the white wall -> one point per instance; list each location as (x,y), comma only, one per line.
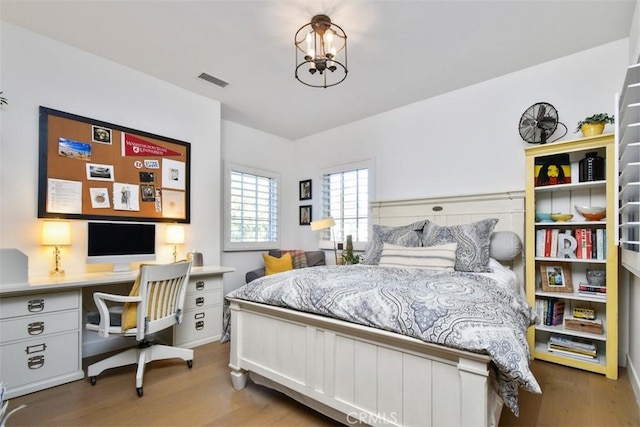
(39,71)
(467,141)
(249,147)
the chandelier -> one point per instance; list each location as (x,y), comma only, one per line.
(321,53)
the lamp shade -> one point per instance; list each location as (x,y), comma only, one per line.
(175,234)
(56,233)
(322,224)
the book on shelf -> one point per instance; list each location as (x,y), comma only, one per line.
(540,238)
(590,290)
(553,250)
(573,342)
(550,311)
(600,243)
(572,353)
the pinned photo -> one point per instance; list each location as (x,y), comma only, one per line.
(98,172)
(148,193)
(101,134)
(74,149)
(99,198)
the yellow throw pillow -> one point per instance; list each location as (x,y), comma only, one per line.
(273,265)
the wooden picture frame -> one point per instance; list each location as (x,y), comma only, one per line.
(556,277)
(305,215)
(94,170)
(305,190)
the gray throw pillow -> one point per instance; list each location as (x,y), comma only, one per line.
(473,242)
(405,235)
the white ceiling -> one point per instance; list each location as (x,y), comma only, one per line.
(400,51)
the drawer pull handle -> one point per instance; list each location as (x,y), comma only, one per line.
(35,328)
(200,301)
(35,362)
(35,348)
(198,316)
(199,285)
(199,325)
(35,305)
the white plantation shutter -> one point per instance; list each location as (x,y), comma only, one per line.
(628,139)
(345,197)
(252,209)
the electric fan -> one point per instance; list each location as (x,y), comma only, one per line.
(539,122)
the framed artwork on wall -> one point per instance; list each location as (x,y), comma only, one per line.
(305,215)
(305,190)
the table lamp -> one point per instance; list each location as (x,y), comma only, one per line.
(323,224)
(56,234)
(175,236)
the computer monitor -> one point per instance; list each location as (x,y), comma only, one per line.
(120,244)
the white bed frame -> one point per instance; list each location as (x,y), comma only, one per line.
(354,373)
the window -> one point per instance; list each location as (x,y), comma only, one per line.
(251,209)
(345,197)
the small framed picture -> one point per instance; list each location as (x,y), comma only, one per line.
(305,190)
(305,215)
(148,193)
(556,277)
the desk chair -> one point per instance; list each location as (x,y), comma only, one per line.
(155,303)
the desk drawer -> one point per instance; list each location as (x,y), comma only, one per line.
(199,326)
(39,359)
(202,299)
(205,284)
(38,304)
(38,325)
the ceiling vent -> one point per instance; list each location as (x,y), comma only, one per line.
(216,81)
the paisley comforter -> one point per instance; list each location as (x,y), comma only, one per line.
(461,310)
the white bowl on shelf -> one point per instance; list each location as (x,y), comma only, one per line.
(592,213)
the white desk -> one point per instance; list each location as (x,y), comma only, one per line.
(42,325)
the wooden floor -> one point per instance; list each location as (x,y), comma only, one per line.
(203,396)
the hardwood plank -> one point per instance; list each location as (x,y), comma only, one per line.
(203,396)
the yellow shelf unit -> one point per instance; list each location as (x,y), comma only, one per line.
(562,198)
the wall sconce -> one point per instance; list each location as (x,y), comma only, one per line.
(323,224)
(56,234)
(321,48)
(175,236)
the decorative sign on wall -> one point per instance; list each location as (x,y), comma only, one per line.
(91,169)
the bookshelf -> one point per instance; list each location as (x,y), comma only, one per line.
(561,275)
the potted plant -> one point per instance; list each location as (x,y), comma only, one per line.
(594,125)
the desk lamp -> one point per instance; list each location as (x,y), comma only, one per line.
(56,234)
(323,224)
(175,236)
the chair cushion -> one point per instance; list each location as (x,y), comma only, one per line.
(115,316)
(275,265)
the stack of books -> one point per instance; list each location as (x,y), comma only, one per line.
(550,311)
(573,346)
(592,291)
(588,243)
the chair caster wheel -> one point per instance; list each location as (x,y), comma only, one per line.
(139,390)
(190,363)
(93,380)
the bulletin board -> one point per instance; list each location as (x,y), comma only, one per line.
(90,169)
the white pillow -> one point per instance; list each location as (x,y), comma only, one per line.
(439,257)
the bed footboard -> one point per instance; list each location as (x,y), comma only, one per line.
(364,374)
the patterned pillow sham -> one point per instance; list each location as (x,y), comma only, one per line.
(439,257)
(473,242)
(405,235)
(298,256)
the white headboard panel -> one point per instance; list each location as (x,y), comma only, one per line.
(453,210)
